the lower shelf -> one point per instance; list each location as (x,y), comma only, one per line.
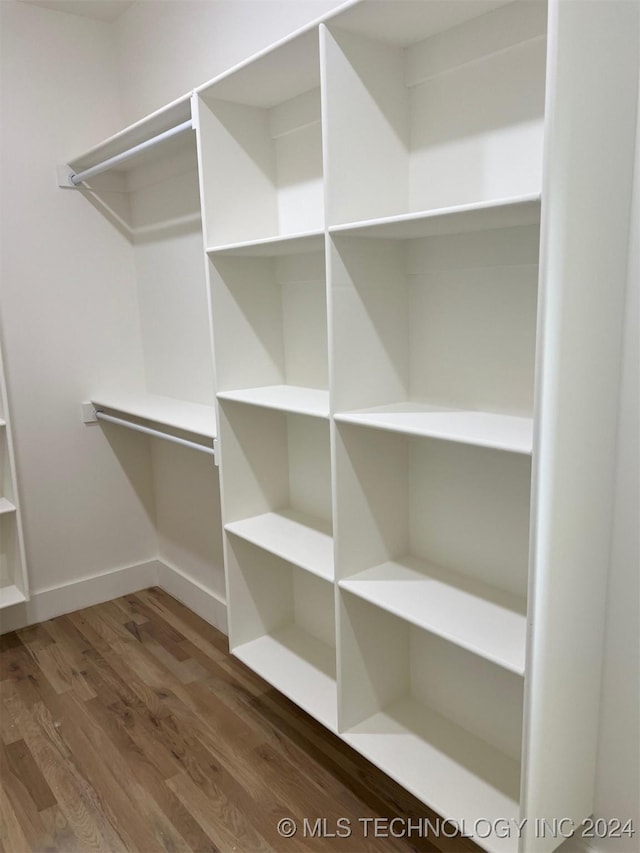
(295,536)
(298,665)
(178,414)
(480,618)
(456,773)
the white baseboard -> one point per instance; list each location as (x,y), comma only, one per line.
(56,601)
(193,595)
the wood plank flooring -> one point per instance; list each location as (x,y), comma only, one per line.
(128,727)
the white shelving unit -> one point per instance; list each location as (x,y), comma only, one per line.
(412,335)
(417,169)
(14,587)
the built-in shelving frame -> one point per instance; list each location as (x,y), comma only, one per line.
(14,586)
(399,241)
(424,320)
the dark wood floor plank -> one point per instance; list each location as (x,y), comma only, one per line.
(135,738)
(35,637)
(211,642)
(59,832)
(12,834)
(122,798)
(220,818)
(21,806)
(76,798)
(129,727)
(70,660)
(84,622)
(21,764)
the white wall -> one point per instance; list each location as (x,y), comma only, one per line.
(69,309)
(167,47)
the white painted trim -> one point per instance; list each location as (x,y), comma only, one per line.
(56,601)
(85,592)
(204,603)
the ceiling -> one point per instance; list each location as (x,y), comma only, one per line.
(101,10)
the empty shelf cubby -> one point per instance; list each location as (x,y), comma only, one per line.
(262,161)
(270,323)
(436,334)
(438,533)
(411,701)
(454,118)
(277,483)
(283,626)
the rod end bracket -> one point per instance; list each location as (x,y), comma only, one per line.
(88,413)
(64,174)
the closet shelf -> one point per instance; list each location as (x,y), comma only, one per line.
(284,398)
(10,595)
(298,665)
(272,247)
(460,219)
(484,429)
(486,621)
(292,535)
(152,125)
(195,418)
(6,506)
(454,772)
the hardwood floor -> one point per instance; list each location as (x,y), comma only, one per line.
(128,727)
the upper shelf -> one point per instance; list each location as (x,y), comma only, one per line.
(272,247)
(285,398)
(484,620)
(195,418)
(483,429)
(163,119)
(404,22)
(282,72)
(459,219)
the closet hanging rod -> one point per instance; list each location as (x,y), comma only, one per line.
(77,178)
(156,433)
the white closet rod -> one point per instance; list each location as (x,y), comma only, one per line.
(77,178)
(101,416)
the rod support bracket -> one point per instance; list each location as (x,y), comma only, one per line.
(64,174)
(89,413)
